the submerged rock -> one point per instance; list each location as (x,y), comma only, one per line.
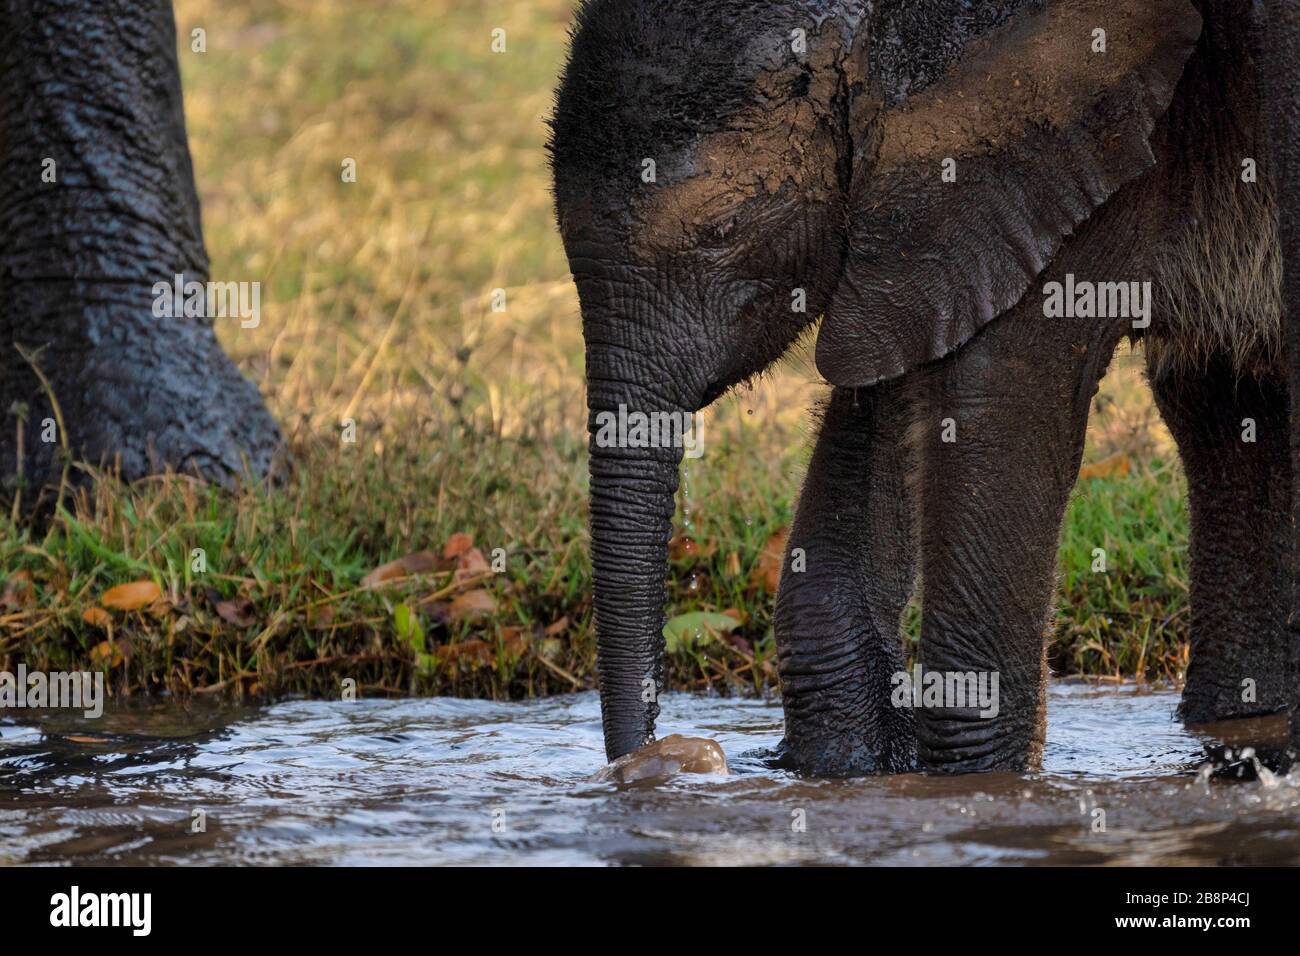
(665,758)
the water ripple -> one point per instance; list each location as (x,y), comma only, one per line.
(457,781)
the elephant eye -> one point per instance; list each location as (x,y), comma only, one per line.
(801,84)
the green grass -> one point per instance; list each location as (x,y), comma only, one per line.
(298,553)
(1133,619)
(375,308)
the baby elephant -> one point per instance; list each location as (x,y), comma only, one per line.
(979,199)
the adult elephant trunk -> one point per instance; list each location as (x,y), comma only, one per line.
(632,501)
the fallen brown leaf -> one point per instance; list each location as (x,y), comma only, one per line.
(97,617)
(456,545)
(418,562)
(470,605)
(470,564)
(557,627)
(132,596)
(107,652)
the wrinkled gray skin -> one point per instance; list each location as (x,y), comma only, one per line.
(94,86)
(820,170)
(1281,62)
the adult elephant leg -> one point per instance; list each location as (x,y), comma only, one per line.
(837,619)
(1232,436)
(1002,435)
(1281,64)
(97,207)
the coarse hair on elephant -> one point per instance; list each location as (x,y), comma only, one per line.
(979,199)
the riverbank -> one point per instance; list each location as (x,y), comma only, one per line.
(456,564)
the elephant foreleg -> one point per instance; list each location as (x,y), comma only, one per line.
(849,571)
(1001,435)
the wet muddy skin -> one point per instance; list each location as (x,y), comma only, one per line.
(458,781)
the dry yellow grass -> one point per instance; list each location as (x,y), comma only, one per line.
(378,293)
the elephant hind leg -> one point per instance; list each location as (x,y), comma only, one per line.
(1232,434)
(849,571)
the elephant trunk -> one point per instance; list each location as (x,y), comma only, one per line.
(632,503)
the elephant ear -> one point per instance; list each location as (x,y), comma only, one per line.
(1040,128)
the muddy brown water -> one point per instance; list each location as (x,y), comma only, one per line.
(480,782)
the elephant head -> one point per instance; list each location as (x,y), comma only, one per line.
(726,173)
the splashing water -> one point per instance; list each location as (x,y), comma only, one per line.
(458,781)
